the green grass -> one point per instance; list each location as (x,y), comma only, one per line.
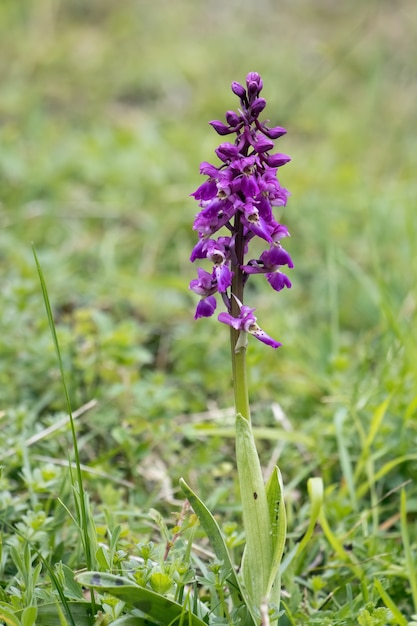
(103,123)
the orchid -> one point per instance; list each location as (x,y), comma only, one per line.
(236,209)
(247,322)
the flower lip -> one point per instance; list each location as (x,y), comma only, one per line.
(206,307)
(247,323)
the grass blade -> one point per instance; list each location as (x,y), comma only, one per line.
(315,492)
(344,456)
(409,557)
(81,504)
(390,604)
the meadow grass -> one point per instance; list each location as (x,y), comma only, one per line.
(103,123)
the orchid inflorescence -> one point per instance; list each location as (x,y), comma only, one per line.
(238,196)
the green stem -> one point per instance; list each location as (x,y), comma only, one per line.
(240,383)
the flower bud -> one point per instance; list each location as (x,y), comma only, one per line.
(239,90)
(226,151)
(232,118)
(262,144)
(257,106)
(220,128)
(277,159)
(273,133)
(254,83)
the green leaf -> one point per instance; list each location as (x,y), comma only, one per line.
(218,544)
(72,588)
(337,545)
(278,522)
(8,616)
(159,608)
(50,614)
(85,519)
(376,421)
(344,457)
(29,616)
(408,551)
(257,557)
(259,432)
(390,604)
(385,469)
(133,620)
(315,492)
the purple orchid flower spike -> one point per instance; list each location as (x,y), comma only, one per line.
(238,199)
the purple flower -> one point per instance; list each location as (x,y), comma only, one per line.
(246,322)
(206,307)
(237,199)
(269,263)
(205,285)
(215,214)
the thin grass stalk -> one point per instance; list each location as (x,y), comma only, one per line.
(84,521)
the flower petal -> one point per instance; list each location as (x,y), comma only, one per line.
(226,318)
(278,280)
(206,307)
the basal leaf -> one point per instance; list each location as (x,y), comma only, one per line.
(278,521)
(257,557)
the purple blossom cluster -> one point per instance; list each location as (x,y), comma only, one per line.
(238,198)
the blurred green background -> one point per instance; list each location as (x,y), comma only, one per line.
(103,121)
(104,110)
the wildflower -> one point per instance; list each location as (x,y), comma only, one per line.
(238,199)
(247,323)
(269,263)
